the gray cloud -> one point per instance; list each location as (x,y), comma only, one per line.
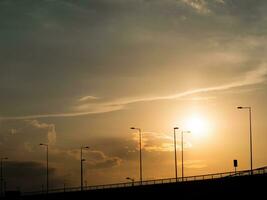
(95,159)
(76,48)
(198,5)
(256,76)
(18,174)
(98,160)
(19,139)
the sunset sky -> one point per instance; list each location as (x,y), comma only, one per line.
(82,72)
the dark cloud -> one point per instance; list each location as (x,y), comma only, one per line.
(21,138)
(98,160)
(95,159)
(29,176)
(66,49)
(116,146)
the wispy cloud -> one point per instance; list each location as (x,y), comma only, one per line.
(202,6)
(96,159)
(69,114)
(158,142)
(195,164)
(199,5)
(220,1)
(253,77)
(152,141)
(85,98)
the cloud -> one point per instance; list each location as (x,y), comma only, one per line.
(17,174)
(158,142)
(220,1)
(116,34)
(95,110)
(195,164)
(256,76)
(95,159)
(21,138)
(199,5)
(98,160)
(152,141)
(51,132)
(85,98)
(200,98)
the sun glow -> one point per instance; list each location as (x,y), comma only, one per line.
(198,125)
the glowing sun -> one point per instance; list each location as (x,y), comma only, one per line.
(198,125)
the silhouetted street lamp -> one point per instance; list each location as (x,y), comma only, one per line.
(140,151)
(250,135)
(82,160)
(175,156)
(182,140)
(2,178)
(130,179)
(47,173)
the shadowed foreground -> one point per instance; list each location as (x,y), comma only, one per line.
(227,188)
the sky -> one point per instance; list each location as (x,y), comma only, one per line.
(82,72)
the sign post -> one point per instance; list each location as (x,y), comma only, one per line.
(235,165)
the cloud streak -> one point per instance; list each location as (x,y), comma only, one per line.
(96,159)
(85,98)
(198,5)
(253,77)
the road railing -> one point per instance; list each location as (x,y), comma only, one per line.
(262,170)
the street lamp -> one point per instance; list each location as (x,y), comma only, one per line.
(140,151)
(250,135)
(2,178)
(47,180)
(182,141)
(130,179)
(82,160)
(175,156)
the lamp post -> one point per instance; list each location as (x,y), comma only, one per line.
(130,179)
(47,173)
(175,156)
(2,178)
(250,136)
(140,151)
(182,141)
(82,160)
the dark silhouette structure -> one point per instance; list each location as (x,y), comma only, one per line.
(175,153)
(212,186)
(250,136)
(2,176)
(47,169)
(82,160)
(140,152)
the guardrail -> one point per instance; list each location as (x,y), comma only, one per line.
(154,182)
